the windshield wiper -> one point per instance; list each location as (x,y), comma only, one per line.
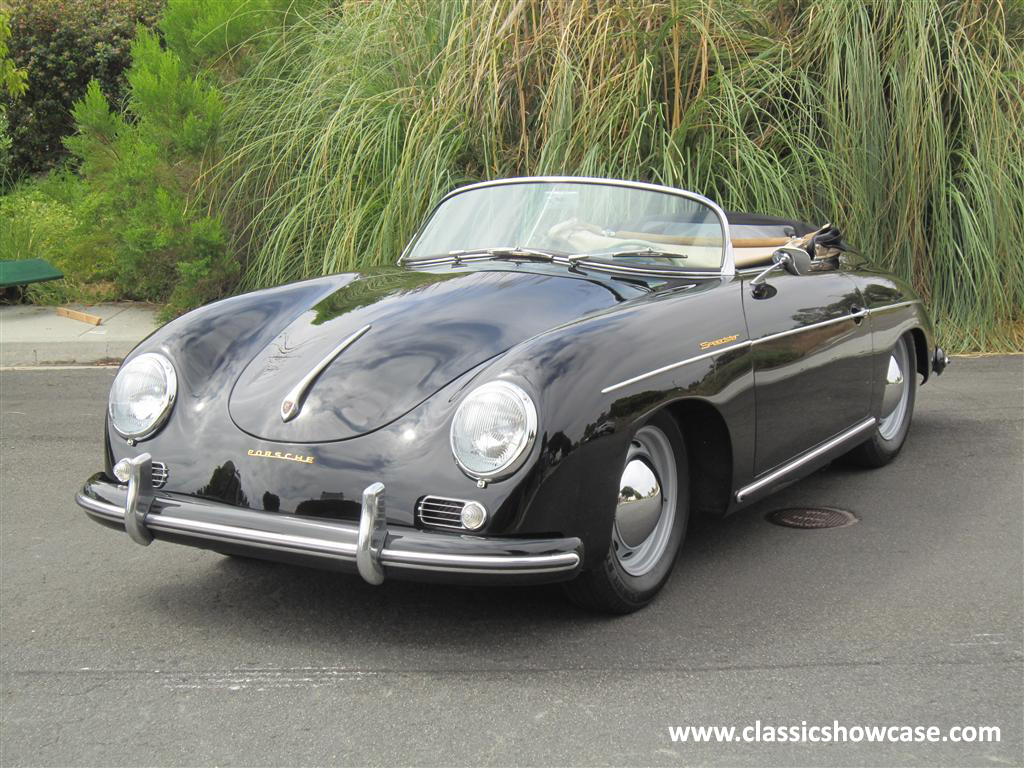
(632,253)
(497,252)
(505,252)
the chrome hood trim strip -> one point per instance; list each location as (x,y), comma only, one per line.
(292,403)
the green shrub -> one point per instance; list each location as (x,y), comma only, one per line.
(12,78)
(131,221)
(64,44)
(218,34)
(5,152)
(12,83)
(139,175)
(40,219)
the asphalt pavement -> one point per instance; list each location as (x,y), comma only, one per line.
(114,654)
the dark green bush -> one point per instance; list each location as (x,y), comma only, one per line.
(39,219)
(12,78)
(216,35)
(5,151)
(64,44)
(12,84)
(139,169)
(129,221)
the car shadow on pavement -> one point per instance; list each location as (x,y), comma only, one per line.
(251,597)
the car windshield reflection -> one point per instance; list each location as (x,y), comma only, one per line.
(581,220)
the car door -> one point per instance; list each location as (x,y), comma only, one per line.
(811,350)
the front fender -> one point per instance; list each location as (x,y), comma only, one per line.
(588,416)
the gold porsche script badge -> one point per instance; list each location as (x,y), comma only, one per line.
(280,455)
(716,342)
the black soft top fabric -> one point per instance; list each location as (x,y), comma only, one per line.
(770,225)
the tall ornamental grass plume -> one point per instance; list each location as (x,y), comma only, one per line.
(901,122)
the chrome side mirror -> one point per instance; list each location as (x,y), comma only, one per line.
(796,261)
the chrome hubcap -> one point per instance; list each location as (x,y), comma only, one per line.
(646,503)
(640,503)
(896,394)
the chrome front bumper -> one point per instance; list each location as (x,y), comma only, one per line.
(371,548)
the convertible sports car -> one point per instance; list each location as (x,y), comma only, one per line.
(558,374)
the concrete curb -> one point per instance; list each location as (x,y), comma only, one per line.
(37,335)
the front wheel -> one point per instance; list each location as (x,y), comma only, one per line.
(651,513)
(900,390)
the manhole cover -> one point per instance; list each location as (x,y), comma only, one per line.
(812,517)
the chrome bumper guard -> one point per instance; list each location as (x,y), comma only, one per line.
(374,549)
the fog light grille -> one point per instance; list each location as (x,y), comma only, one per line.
(438,512)
(160,473)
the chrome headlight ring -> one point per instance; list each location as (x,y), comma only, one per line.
(493,430)
(151,371)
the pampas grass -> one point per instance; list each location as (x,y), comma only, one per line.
(901,122)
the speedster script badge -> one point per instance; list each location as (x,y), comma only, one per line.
(717,342)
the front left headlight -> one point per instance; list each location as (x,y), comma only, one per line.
(142,395)
(493,429)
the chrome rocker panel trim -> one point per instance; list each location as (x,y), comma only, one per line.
(370,548)
(777,475)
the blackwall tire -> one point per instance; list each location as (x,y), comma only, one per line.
(636,566)
(893,427)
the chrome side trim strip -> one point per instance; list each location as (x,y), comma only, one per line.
(894,306)
(806,458)
(292,403)
(670,367)
(771,337)
(831,321)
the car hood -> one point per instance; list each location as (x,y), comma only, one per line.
(422,331)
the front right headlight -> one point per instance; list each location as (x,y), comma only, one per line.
(142,395)
(493,429)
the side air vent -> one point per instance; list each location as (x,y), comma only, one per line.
(438,512)
(159,474)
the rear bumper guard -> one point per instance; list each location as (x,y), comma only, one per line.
(371,548)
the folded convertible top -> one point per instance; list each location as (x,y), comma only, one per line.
(754,224)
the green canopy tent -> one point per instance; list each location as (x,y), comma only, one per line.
(14,273)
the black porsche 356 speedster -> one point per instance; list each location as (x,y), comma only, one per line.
(555,377)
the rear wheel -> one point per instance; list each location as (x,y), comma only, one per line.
(651,514)
(900,390)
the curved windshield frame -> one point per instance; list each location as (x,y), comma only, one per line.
(624,225)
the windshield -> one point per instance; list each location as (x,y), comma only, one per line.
(587,220)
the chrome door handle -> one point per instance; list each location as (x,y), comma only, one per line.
(858,314)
